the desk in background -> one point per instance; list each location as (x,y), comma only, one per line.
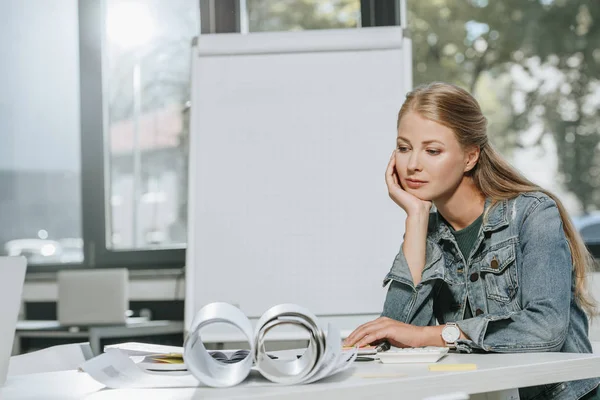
(135,327)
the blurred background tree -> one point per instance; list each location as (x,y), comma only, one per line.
(291,15)
(528,62)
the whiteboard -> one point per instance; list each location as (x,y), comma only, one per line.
(290,135)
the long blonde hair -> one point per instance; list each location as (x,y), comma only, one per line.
(455,108)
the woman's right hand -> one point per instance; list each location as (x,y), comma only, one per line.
(411,204)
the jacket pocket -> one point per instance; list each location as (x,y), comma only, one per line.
(499,272)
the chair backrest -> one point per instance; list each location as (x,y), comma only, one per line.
(12,277)
(93,297)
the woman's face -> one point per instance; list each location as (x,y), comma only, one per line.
(429,160)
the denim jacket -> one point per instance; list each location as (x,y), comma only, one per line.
(518,282)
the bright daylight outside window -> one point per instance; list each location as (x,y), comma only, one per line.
(287,15)
(146,95)
(40,199)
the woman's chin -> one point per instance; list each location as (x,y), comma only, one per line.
(419,195)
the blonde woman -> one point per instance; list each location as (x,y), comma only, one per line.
(498,264)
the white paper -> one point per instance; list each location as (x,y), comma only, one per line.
(117,371)
(144,349)
(336,359)
(322,358)
(198,360)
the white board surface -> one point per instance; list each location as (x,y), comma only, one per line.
(291,133)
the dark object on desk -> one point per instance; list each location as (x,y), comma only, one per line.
(235,357)
(364,358)
(166,370)
(384,346)
(232,359)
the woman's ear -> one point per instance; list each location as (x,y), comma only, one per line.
(471,158)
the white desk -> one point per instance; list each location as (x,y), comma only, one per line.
(94,334)
(365,380)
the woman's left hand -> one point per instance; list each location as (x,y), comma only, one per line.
(397,333)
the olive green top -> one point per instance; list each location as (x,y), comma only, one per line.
(465,238)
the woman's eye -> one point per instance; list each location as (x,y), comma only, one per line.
(433,152)
(403,149)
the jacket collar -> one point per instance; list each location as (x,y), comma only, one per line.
(497,217)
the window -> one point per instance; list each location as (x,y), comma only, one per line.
(73,180)
(40,168)
(134,103)
(269,15)
(249,16)
(135,99)
(146,89)
(95,154)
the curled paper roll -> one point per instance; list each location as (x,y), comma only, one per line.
(323,357)
(296,370)
(197,359)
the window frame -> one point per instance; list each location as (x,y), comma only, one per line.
(94,166)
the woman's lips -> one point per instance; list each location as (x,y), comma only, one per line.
(415,184)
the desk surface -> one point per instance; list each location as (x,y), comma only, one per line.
(365,380)
(28,325)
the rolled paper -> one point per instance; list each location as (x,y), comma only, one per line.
(295,370)
(200,363)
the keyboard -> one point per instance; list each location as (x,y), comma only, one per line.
(412,355)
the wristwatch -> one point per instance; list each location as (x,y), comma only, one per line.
(450,334)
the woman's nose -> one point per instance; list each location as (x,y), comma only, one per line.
(413,162)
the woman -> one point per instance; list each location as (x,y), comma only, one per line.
(498,264)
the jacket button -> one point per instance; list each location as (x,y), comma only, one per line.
(474,276)
(478,312)
(494,264)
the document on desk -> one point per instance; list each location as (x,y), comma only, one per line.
(322,358)
(116,370)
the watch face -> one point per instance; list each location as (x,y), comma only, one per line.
(450,334)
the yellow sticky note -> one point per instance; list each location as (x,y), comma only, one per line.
(168,360)
(452,367)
